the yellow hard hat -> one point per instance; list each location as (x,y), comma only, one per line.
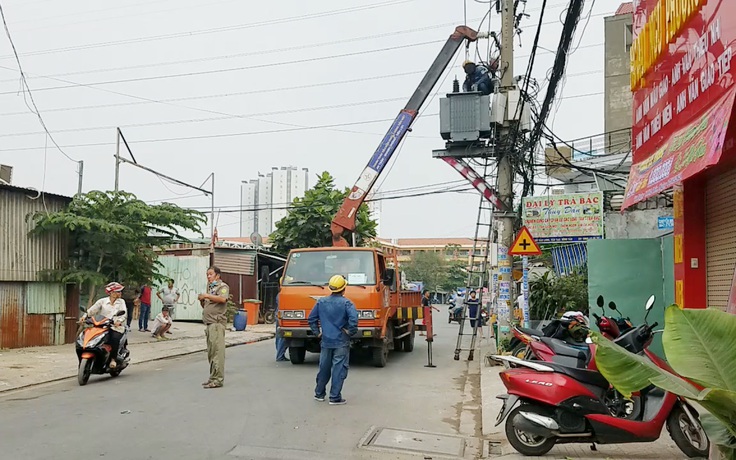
(468,61)
(337,283)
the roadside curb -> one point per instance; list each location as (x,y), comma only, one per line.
(265,336)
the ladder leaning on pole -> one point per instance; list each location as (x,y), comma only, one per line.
(478,269)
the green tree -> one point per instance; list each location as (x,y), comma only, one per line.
(456,275)
(428,267)
(113,236)
(549,295)
(308,223)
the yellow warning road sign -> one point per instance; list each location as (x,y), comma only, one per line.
(524,244)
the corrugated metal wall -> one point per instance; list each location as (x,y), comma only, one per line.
(11,314)
(44,298)
(22,257)
(32,314)
(236,261)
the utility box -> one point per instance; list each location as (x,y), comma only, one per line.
(465,117)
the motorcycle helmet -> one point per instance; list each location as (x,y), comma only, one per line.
(114,287)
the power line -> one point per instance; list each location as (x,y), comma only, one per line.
(255,133)
(215,29)
(258,91)
(249,53)
(27,90)
(234,69)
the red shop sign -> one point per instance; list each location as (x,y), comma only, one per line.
(687,152)
(686,81)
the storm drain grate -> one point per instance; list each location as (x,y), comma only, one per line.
(420,442)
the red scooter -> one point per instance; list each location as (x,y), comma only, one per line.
(548,403)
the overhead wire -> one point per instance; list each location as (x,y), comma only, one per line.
(27,89)
(192,33)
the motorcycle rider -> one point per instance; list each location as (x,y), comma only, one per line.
(109,307)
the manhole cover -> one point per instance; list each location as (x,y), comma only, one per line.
(414,441)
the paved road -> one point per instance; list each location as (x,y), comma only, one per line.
(265,410)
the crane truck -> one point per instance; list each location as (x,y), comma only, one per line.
(386,313)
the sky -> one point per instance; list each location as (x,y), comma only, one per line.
(235,88)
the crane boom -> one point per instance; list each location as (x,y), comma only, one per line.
(345,218)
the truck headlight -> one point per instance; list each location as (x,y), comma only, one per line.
(293,314)
(366,314)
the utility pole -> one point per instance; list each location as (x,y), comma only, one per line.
(81,175)
(507,219)
(117,159)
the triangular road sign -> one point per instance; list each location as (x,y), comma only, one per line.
(524,245)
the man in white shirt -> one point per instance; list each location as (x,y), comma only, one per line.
(169,297)
(109,307)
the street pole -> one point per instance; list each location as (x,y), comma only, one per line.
(212,210)
(117,159)
(81,175)
(506,175)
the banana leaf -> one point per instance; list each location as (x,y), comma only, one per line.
(699,346)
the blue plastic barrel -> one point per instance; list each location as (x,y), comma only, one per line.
(240,320)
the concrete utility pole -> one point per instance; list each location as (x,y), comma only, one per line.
(506,173)
(81,175)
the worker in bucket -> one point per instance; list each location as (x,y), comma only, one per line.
(477,78)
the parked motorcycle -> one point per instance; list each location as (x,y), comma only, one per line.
(548,403)
(94,353)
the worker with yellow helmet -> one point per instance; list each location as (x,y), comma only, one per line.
(477,78)
(334,319)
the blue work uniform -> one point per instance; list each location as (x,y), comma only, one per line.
(337,318)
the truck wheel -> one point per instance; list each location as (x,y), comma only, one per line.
(297,354)
(409,342)
(380,356)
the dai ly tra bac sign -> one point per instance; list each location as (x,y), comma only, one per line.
(564,218)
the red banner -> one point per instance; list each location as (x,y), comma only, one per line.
(686,153)
(692,74)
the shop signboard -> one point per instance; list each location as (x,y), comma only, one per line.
(682,79)
(564,218)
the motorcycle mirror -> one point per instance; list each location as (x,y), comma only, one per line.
(82,308)
(612,306)
(587,340)
(121,312)
(599,301)
(650,302)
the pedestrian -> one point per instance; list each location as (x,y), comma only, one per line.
(145,298)
(334,319)
(130,298)
(474,311)
(214,317)
(280,341)
(169,296)
(161,324)
(426,302)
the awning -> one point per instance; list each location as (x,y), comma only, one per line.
(687,152)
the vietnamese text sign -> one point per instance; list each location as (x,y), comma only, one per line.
(561,218)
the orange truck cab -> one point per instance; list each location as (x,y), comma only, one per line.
(386,315)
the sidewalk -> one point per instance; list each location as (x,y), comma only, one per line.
(491,386)
(24,367)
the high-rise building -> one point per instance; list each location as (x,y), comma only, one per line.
(248,201)
(374,207)
(617,78)
(265,200)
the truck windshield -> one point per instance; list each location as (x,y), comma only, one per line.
(317,267)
